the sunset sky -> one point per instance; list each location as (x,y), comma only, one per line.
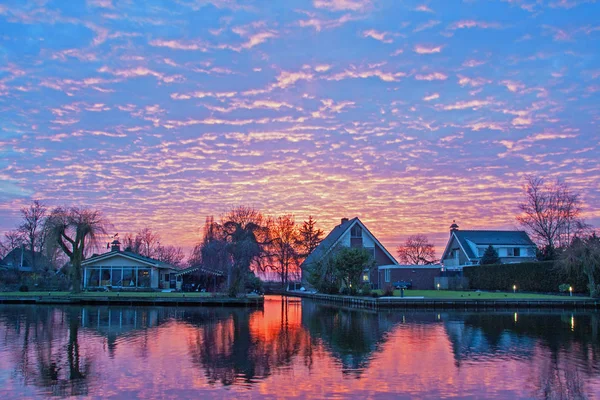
(407,114)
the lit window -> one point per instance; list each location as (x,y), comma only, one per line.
(366,277)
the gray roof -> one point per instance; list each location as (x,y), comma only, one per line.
(495,238)
(157,263)
(326,244)
(329,242)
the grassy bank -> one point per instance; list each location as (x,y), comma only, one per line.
(462,295)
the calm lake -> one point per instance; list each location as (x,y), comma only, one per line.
(298,349)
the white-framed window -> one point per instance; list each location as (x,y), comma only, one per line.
(514,252)
(356,231)
(387,275)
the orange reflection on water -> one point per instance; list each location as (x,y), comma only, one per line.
(295,349)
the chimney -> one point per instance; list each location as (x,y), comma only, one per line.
(344,220)
(115,245)
(453,227)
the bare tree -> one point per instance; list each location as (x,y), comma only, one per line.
(417,250)
(284,247)
(149,241)
(170,254)
(12,240)
(32,228)
(550,212)
(75,230)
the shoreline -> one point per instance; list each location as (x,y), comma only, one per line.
(418,303)
(129,299)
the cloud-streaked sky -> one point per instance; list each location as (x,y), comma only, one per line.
(408,114)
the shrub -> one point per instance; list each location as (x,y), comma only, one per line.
(564,287)
(23,288)
(375,294)
(542,277)
(388,291)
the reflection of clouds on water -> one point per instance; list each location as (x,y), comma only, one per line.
(298,349)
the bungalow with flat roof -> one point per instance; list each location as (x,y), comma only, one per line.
(351,233)
(466,248)
(125,269)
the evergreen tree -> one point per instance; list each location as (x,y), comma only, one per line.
(490,256)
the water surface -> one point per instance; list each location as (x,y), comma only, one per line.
(295,349)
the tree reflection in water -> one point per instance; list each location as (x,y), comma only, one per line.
(70,350)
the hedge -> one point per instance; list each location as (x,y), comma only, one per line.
(529,277)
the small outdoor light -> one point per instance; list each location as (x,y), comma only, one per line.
(514,288)
(438,286)
(571,291)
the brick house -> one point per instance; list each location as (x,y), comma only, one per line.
(351,233)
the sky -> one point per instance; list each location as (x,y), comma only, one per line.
(407,114)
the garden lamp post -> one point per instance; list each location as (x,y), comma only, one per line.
(514,288)
(571,291)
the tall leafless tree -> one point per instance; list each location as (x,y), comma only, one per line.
(170,254)
(12,240)
(75,230)
(550,212)
(417,250)
(32,228)
(284,247)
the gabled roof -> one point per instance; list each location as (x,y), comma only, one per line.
(486,238)
(333,239)
(130,255)
(13,258)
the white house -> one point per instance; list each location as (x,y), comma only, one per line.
(124,269)
(466,247)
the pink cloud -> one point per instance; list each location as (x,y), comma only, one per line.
(178,45)
(425,49)
(468,24)
(434,76)
(384,76)
(341,5)
(380,36)
(432,97)
(423,8)
(463,105)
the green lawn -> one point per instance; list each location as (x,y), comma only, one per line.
(111,294)
(462,295)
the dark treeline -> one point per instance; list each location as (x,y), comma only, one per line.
(52,244)
(246,243)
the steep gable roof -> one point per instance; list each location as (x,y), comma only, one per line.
(486,238)
(14,257)
(130,255)
(333,239)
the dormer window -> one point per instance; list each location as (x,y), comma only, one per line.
(356,231)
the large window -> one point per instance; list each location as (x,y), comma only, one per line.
(93,276)
(129,277)
(105,281)
(116,276)
(387,275)
(143,277)
(356,231)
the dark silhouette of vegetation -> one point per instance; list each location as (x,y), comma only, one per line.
(417,250)
(550,213)
(75,230)
(583,258)
(490,256)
